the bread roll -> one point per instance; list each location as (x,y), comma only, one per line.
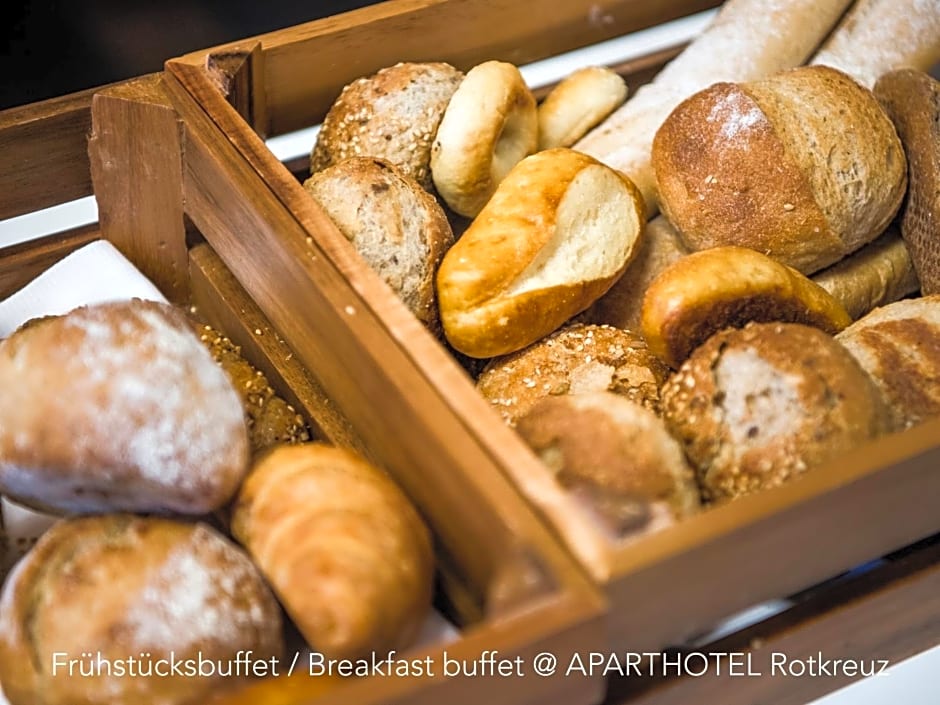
(100,591)
(725,287)
(399,229)
(577,104)
(344,550)
(912,99)
(392,115)
(804,166)
(878,36)
(758,406)
(557,233)
(614,448)
(899,346)
(577,359)
(118,407)
(875,275)
(749,39)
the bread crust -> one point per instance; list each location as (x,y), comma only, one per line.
(118,407)
(343,548)
(490,303)
(122,586)
(577,359)
(899,346)
(912,99)
(577,104)
(758,406)
(391,115)
(397,227)
(804,166)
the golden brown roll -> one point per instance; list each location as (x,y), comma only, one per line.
(612,448)
(101,591)
(899,346)
(343,548)
(804,166)
(558,232)
(392,115)
(577,359)
(757,406)
(118,407)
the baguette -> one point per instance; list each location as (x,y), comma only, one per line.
(878,36)
(749,39)
(560,229)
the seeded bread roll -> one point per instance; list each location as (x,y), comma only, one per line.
(912,99)
(342,546)
(610,446)
(559,231)
(392,115)
(399,229)
(577,359)
(109,588)
(758,406)
(118,407)
(899,346)
(804,166)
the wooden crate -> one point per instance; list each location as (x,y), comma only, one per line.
(503,579)
(225,183)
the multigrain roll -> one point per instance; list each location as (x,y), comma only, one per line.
(577,359)
(804,166)
(392,115)
(399,229)
(110,588)
(609,447)
(758,406)
(343,548)
(118,407)
(899,346)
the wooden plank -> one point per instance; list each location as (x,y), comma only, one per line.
(21,263)
(224,304)
(43,154)
(886,615)
(344,47)
(135,151)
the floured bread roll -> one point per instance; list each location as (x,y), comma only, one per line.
(759,405)
(105,589)
(611,448)
(899,346)
(117,407)
(574,360)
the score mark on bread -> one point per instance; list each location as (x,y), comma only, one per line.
(560,229)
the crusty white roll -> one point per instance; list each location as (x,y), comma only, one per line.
(118,407)
(749,39)
(103,590)
(804,166)
(899,347)
(878,36)
(489,126)
(556,234)
(757,406)
(391,115)
(577,104)
(341,545)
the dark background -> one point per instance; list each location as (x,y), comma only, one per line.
(54,47)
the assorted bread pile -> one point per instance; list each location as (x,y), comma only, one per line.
(198,519)
(779,312)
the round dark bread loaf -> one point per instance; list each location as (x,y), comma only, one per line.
(392,115)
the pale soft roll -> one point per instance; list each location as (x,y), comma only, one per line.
(489,126)
(579,103)
(749,39)
(556,234)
